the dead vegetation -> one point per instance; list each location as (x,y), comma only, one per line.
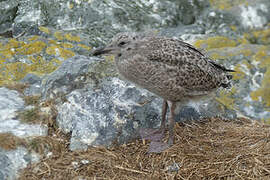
(9,141)
(20,87)
(211,149)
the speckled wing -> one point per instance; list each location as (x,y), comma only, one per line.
(186,66)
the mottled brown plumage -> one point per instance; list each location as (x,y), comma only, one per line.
(170,68)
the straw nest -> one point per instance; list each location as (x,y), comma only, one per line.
(210,149)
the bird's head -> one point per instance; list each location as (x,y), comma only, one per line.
(118,43)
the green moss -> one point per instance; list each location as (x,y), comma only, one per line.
(215,42)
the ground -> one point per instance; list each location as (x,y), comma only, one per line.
(210,149)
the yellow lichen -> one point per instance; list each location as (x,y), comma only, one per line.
(261,54)
(246,52)
(9,50)
(215,42)
(58,36)
(40,66)
(70,37)
(51,41)
(13,71)
(67,45)
(44,29)
(59,51)
(31,48)
(13,43)
(234,28)
(239,74)
(64,53)
(263,35)
(17,70)
(227,4)
(71,5)
(264,91)
(242,40)
(53,50)
(265,62)
(85,47)
(226,98)
(215,56)
(33,38)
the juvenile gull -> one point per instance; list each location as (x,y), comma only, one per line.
(169,68)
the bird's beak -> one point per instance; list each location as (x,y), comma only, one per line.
(102,50)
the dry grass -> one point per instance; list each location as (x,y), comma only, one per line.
(9,141)
(31,100)
(20,87)
(213,149)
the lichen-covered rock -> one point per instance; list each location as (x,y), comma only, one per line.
(119,15)
(72,74)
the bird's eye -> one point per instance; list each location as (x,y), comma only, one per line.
(122,43)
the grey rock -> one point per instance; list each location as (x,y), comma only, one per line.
(35,85)
(13,161)
(31,79)
(254,15)
(10,104)
(70,75)
(106,115)
(104,18)
(8,10)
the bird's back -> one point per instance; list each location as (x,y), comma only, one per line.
(171,68)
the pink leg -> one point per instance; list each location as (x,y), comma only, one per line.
(156,134)
(158,146)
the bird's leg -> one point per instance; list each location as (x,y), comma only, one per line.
(164,112)
(171,123)
(156,134)
(158,146)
